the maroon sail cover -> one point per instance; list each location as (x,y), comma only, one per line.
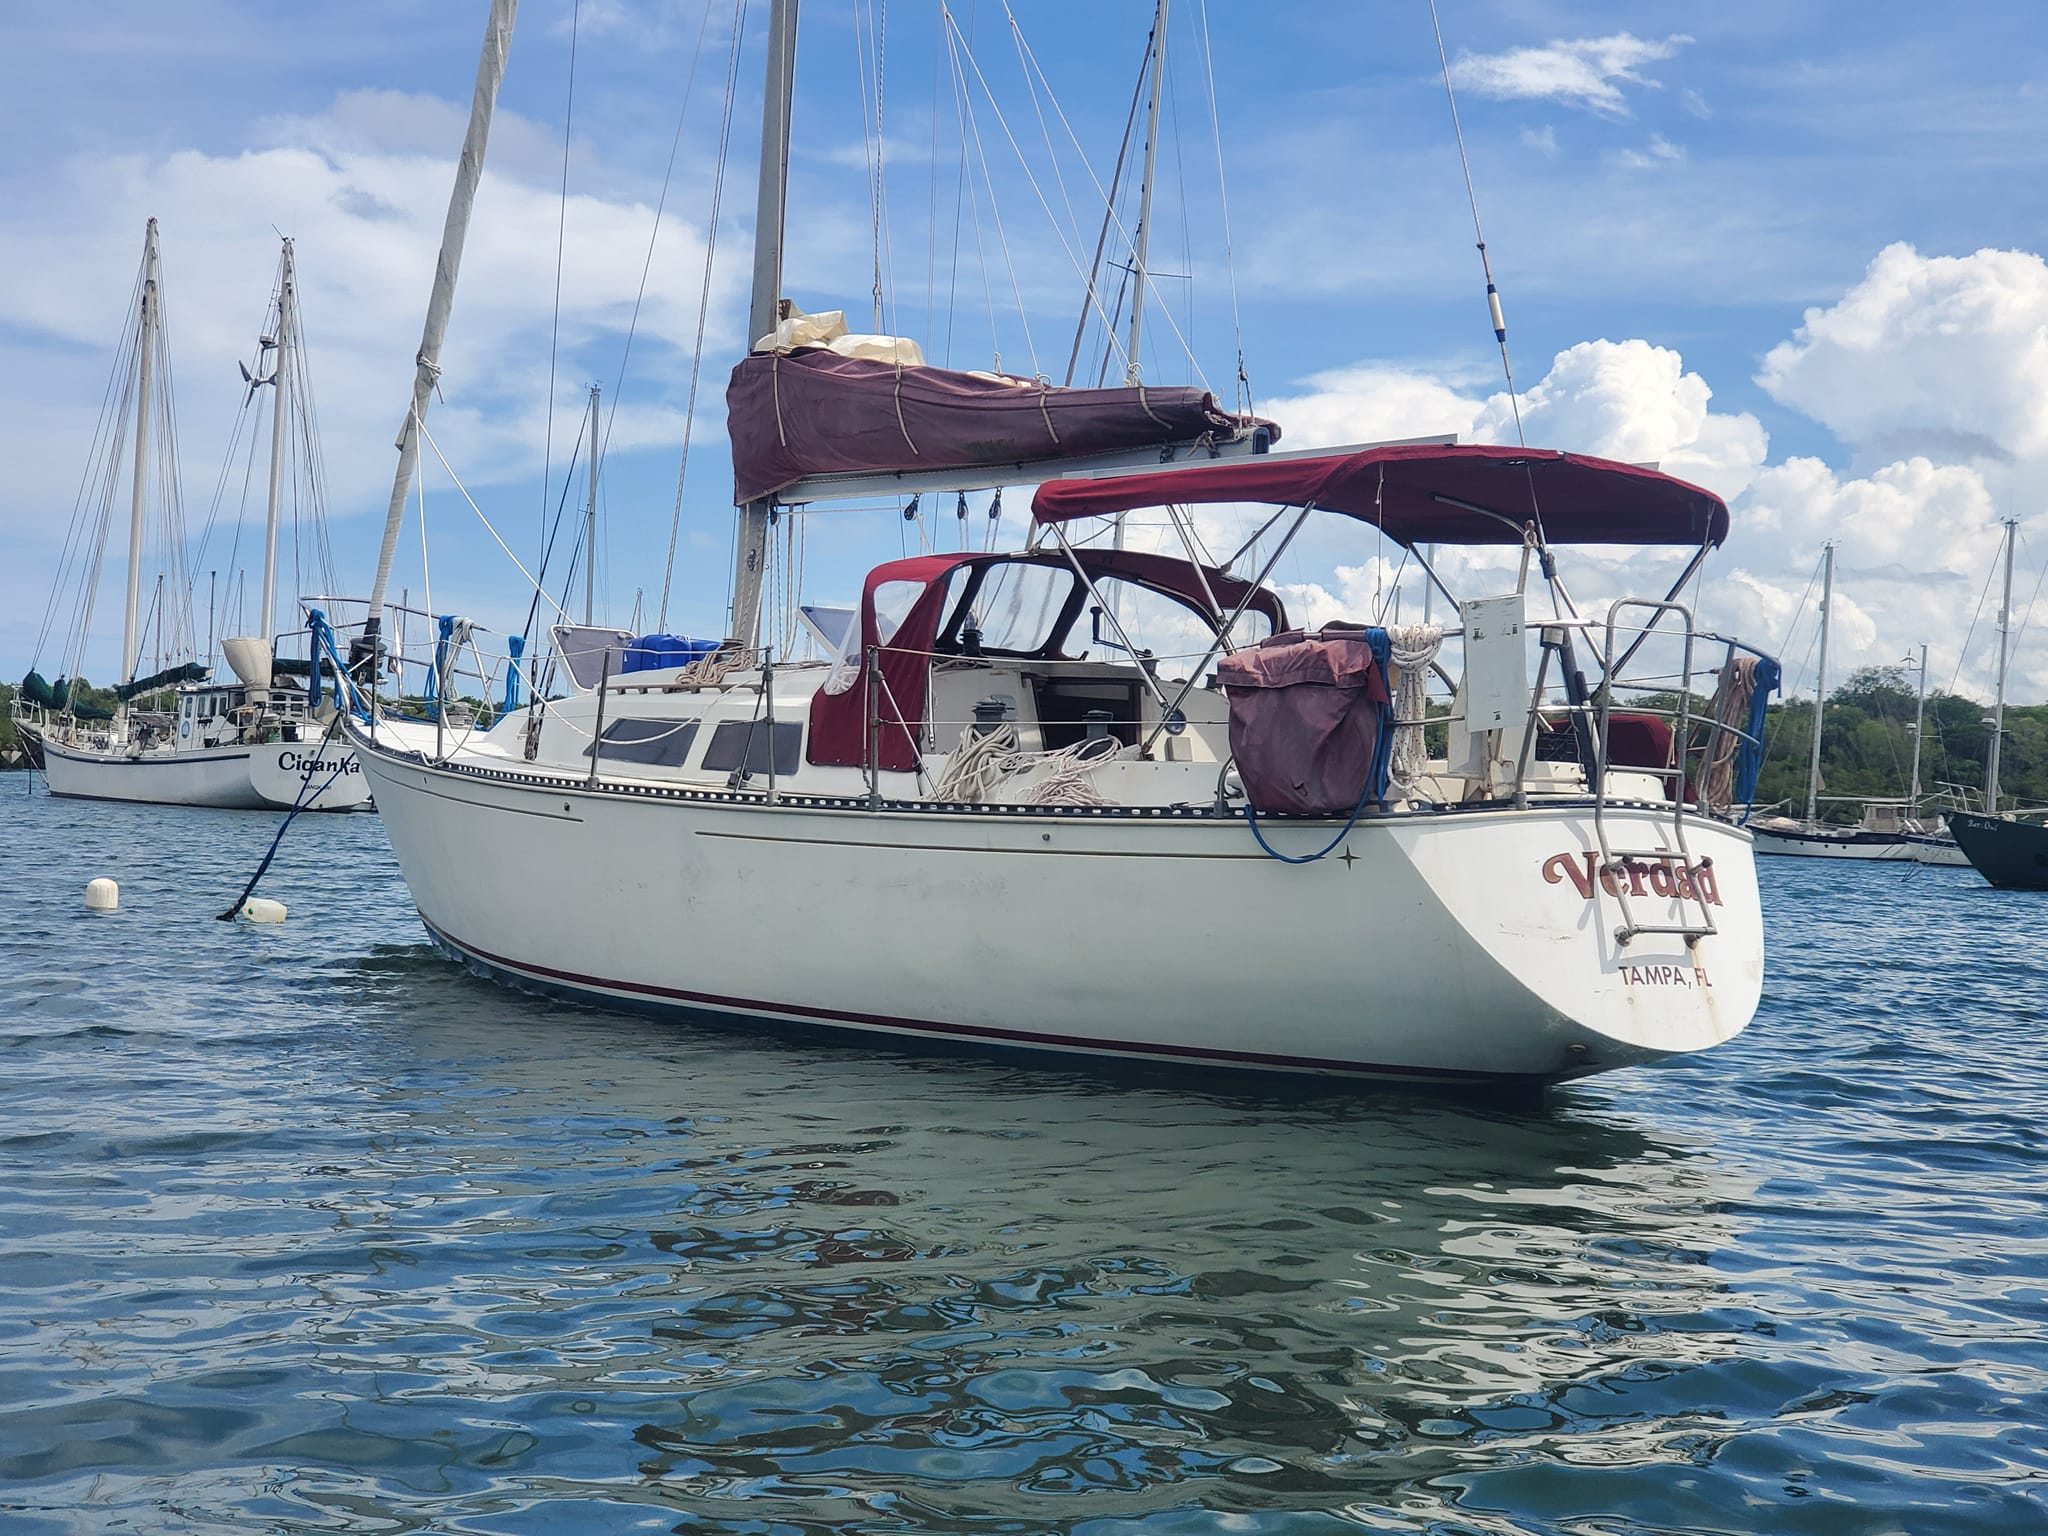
(1305,720)
(813,412)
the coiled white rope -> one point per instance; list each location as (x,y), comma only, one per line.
(1412,647)
(984,761)
(711,671)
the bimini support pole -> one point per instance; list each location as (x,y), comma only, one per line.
(469,170)
(1171,711)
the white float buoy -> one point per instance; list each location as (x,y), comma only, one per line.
(261,909)
(102,895)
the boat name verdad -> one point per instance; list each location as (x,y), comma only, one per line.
(1665,877)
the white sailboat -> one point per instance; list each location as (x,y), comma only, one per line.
(257,743)
(1929,837)
(995,818)
(1889,831)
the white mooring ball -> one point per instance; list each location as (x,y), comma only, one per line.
(102,895)
(261,909)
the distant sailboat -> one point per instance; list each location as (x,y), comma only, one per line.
(1887,831)
(1932,842)
(256,743)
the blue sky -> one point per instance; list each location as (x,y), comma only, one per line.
(1788,250)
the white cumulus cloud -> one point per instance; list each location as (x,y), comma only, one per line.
(1582,72)
(1632,401)
(1943,355)
(1626,400)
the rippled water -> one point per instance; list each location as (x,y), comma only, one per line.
(304,1229)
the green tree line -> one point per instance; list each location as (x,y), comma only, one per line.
(1866,748)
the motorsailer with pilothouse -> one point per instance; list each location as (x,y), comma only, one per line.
(176,737)
(996,817)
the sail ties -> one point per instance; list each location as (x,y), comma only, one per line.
(902,425)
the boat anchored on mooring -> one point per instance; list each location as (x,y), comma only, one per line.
(1108,802)
(175,736)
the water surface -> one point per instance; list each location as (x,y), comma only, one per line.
(304,1229)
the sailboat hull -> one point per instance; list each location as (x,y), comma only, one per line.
(273,776)
(2012,855)
(1845,844)
(1454,947)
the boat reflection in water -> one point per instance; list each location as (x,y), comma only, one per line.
(950,1291)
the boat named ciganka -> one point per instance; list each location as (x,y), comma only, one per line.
(996,816)
(260,742)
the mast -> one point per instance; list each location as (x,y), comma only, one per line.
(1919,721)
(280,413)
(590,520)
(145,348)
(1820,684)
(750,546)
(1998,705)
(490,71)
(1144,236)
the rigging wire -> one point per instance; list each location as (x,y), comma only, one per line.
(703,301)
(462,490)
(1963,653)
(931,255)
(868,135)
(1244,383)
(960,175)
(1500,326)
(1472,197)
(561,233)
(2027,617)
(554,531)
(1180,175)
(1165,311)
(89,508)
(876,48)
(971,126)
(1044,129)
(1784,648)
(1090,301)
(653,235)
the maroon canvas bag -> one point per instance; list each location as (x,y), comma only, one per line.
(1305,720)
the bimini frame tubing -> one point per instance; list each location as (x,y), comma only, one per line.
(1171,712)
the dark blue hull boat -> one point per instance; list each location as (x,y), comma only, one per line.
(2012,855)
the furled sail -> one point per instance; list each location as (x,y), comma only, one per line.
(170,677)
(821,404)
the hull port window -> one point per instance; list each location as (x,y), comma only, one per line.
(655,743)
(743,744)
